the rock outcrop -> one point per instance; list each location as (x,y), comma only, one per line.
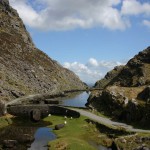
(2,108)
(126,91)
(145,94)
(135,73)
(110,76)
(24,69)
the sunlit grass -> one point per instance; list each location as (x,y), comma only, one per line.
(75,135)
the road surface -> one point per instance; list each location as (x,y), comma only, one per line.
(108,122)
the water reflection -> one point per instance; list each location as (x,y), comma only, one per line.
(22,135)
(42,137)
(77,101)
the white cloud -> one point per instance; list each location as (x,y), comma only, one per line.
(27,13)
(134,7)
(70,14)
(146,23)
(93,62)
(93,70)
(86,74)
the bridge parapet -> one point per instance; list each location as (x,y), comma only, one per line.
(44,110)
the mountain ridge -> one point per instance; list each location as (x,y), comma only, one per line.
(24,69)
(134,73)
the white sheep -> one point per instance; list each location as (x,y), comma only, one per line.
(65,122)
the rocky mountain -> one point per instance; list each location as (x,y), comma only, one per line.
(126,91)
(109,77)
(135,73)
(24,69)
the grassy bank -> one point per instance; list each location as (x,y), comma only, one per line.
(77,134)
(5,121)
(83,134)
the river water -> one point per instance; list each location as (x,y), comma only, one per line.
(78,100)
(44,135)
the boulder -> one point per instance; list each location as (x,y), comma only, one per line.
(35,115)
(59,126)
(145,94)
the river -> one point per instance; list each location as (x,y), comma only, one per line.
(23,133)
(79,100)
(44,135)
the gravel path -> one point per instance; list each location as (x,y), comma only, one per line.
(108,122)
(20,100)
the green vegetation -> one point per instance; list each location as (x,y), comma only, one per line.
(132,141)
(77,134)
(5,121)
(85,134)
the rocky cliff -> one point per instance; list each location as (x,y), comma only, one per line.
(135,73)
(126,91)
(109,77)
(24,69)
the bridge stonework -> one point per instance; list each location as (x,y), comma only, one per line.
(27,110)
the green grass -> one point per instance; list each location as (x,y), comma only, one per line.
(101,114)
(79,132)
(5,121)
(75,135)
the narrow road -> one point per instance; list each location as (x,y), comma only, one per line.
(20,100)
(108,122)
(99,119)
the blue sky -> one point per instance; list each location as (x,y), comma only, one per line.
(88,37)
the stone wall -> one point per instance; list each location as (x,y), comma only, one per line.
(27,110)
(57,110)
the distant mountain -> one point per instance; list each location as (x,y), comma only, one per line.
(126,91)
(24,69)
